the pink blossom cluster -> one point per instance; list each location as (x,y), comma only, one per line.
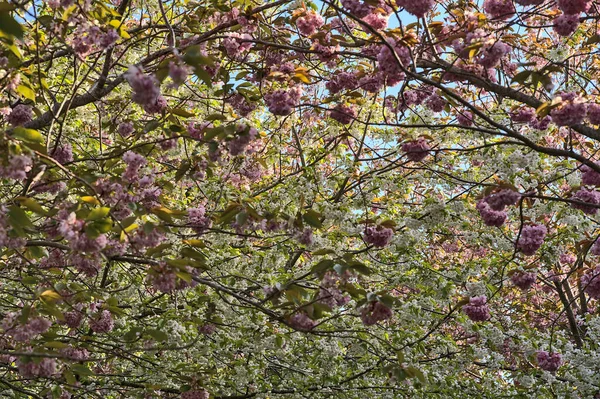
(134,163)
(125,129)
(492,54)
(523,115)
(549,361)
(244,135)
(571,111)
(499,200)
(73,318)
(374,312)
(75,354)
(413,97)
(376,20)
(146,91)
(541,124)
(17,168)
(490,216)
(591,197)
(341,80)
(163,278)
(195,394)
(282,102)
(102,322)
(20,115)
(388,60)
(590,282)
(178,72)
(90,38)
(532,238)
(63,154)
(44,368)
(436,103)
(372,83)
(300,321)
(416,150)
(593,113)
(418,8)
(523,280)
(477,309)
(306,237)
(327,53)
(566,24)
(329,291)
(237,44)
(207,329)
(361,9)
(241,104)
(25,332)
(89,264)
(72,229)
(589,176)
(55,258)
(343,113)
(499,9)
(309,23)
(574,6)
(198,220)
(378,236)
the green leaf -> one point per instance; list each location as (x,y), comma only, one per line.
(28,135)
(181,112)
(313,218)
(157,334)
(81,369)
(322,266)
(26,92)
(10,26)
(98,213)
(18,218)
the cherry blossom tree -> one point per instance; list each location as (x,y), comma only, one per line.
(334,198)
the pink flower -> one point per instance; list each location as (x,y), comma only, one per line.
(532,238)
(593,113)
(465,118)
(499,200)
(178,73)
(574,6)
(301,321)
(378,236)
(416,150)
(309,23)
(102,322)
(20,115)
(282,102)
(343,113)
(374,312)
(566,24)
(549,361)
(198,220)
(590,282)
(570,112)
(436,103)
(523,280)
(418,8)
(63,154)
(499,9)
(589,176)
(477,309)
(490,216)
(591,197)
(306,237)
